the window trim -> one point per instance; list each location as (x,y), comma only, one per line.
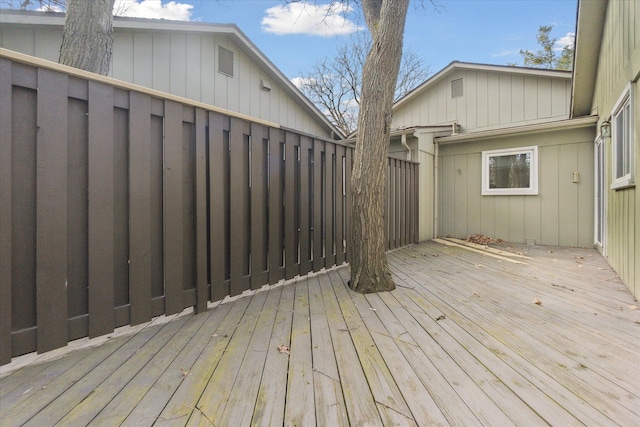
(532,190)
(627,180)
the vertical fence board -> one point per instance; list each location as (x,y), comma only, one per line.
(140,267)
(339,222)
(101,209)
(398,203)
(388,207)
(23,225)
(156,205)
(400,208)
(201,276)
(51,264)
(239,205)
(348,170)
(410,218)
(173,209)
(290,221)
(415,221)
(77,214)
(121,209)
(258,232)
(305,212)
(218,208)
(276,211)
(395,202)
(5,212)
(189,265)
(318,226)
(405,201)
(329,186)
(406,177)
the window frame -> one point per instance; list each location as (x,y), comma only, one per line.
(532,190)
(624,102)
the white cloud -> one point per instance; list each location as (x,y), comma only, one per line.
(153,9)
(301,81)
(567,40)
(50,8)
(313,19)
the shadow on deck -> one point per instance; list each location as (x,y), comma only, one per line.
(459,342)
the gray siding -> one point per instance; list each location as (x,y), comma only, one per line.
(618,65)
(562,212)
(491,99)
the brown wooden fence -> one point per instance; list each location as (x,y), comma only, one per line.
(119,204)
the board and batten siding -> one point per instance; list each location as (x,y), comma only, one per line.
(618,65)
(489,99)
(562,212)
(184,64)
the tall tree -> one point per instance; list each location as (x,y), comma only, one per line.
(546,56)
(334,84)
(87,37)
(369,270)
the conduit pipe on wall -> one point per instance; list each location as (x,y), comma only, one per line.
(435,188)
(403,140)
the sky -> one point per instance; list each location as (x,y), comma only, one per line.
(295,35)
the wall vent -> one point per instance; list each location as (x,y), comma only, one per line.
(457,88)
(225,61)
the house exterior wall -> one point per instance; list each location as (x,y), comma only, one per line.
(490,99)
(183,64)
(560,214)
(619,65)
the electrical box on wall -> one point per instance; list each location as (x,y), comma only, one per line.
(576,177)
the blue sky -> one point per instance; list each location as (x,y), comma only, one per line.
(291,36)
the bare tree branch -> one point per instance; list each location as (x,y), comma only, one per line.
(334,84)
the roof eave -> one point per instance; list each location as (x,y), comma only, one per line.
(566,124)
(589,29)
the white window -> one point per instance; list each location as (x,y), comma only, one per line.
(622,141)
(512,171)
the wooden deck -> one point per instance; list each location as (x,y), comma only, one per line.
(460,342)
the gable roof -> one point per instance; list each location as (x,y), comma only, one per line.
(231,31)
(589,30)
(457,65)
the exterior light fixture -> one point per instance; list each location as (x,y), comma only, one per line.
(605,129)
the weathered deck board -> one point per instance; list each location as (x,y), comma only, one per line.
(495,358)
(299,412)
(389,400)
(361,407)
(183,402)
(52,410)
(241,400)
(44,383)
(155,400)
(214,398)
(269,408)
(89,407)
(550,356)
(147,379)
(329,402)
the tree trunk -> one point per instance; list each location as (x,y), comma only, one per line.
(369,269)
(87,38)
